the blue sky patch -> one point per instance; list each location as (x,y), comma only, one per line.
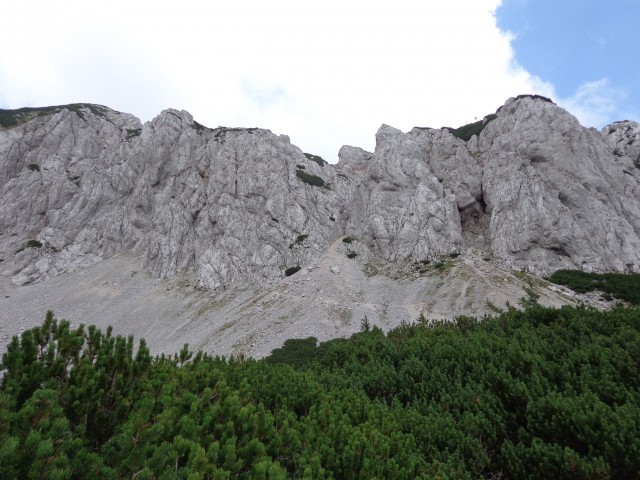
(570,44)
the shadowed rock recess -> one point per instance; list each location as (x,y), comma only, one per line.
(527,188)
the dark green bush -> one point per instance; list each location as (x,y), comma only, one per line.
(535,97)
(316,158)
(535,394)
(34,244)
(348,239)
(201,129)
(310,179)
(299,240)
(12,118)
(133,132)
(351,254)
(8,118)
(291,270)
(469,130)
(619,285)
(34,167)
(296,352)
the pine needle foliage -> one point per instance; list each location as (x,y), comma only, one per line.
(623,286)
(310,179)
(539,393)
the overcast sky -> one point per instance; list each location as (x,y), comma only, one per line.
(325,73)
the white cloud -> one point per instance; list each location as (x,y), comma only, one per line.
(326,74)
(595,104)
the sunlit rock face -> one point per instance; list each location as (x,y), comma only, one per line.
(557,195)
(532,189)
(623,139)
(227,203)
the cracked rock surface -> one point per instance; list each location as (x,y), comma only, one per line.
(233,208)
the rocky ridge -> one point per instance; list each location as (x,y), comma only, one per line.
(227,208)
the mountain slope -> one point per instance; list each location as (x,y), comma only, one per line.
(440,220)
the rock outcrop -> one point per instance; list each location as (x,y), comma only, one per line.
(623,138)
(229,203)
(557,196)
(532,190)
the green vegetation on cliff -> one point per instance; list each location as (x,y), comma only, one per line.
(12,118)
(623,286)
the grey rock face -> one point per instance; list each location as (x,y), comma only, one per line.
(557,197)
(400,208)
(534,190)
(623,138)
(229,203)
(62,184)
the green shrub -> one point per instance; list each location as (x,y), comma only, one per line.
(535,97)
(351,254)
(12,118)
(291,270)
(30,244)
(316,158)
(299,240)
(8,118)
(34,167)
(348,239)
(536,394)
(133,132)
(200,129)
(469,130)
(296,352)
(623,286)
(310,179)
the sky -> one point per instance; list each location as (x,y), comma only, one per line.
(324,73)
(586,49)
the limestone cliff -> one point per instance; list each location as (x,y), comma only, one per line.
(532,190)
(229,203)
